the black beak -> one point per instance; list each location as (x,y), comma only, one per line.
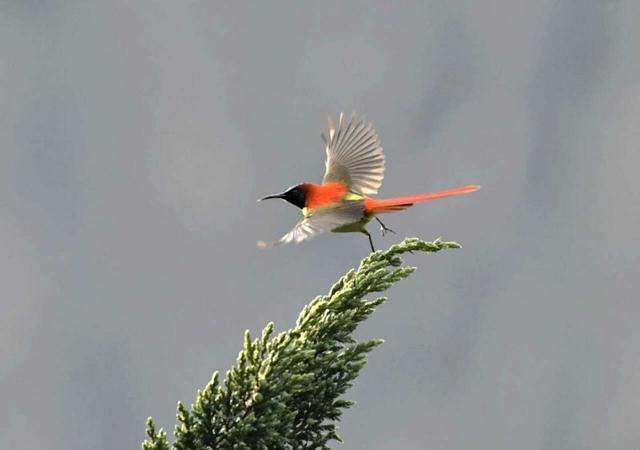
(272,196)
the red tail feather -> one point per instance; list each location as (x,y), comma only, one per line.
(376,206)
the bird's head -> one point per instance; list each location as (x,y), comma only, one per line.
(296,195)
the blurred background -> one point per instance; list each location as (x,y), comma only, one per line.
(135,138)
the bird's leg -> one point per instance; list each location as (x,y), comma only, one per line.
(370,240)
(383,227)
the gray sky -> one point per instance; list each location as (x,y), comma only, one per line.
(136,136)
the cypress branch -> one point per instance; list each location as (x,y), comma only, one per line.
(285,391)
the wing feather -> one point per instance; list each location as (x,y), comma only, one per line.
(354,155)
(321,220)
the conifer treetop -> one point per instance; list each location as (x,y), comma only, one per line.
(286,390)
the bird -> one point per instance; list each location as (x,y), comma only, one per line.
(343,202)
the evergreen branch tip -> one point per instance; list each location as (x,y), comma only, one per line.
(286,390)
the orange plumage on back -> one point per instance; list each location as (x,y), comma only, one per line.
(320,195)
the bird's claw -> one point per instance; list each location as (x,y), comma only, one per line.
(384,229)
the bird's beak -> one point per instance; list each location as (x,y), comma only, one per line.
(272,196)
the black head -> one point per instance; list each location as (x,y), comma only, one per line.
(296,195)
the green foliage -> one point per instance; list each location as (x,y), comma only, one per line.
(285,391)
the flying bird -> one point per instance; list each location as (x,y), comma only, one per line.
(354,172)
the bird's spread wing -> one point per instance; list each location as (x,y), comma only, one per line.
(321,220)
(354,155)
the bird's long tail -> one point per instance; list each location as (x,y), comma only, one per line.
(377,206)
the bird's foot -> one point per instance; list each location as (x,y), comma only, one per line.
(383,228)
